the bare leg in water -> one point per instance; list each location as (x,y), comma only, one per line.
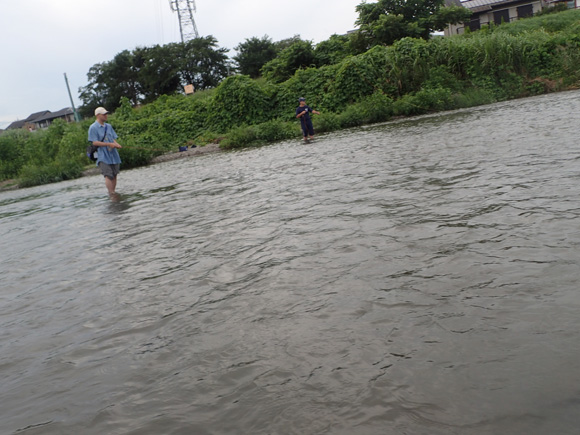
(111,186)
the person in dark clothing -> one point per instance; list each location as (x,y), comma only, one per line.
(303,113)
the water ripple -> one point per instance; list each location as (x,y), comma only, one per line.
(417,276)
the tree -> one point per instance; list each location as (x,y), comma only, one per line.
(285,43)
(253,54)
(203,64)
(158,68)
(298,55)
(332,50)
(149,72)
(109,81)
(387,21)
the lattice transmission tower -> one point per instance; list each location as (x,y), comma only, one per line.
(185,10)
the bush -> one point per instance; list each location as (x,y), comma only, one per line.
(327,121)
(472,97)
(238,100)
(12,156)
(51,172)
(353,116)
(298,55)
(270,131)
(275,130)
(354,80)
(433,99)
(240,137)
(310,83)
(377,108)
(139,150)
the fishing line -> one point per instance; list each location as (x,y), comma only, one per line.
(147,149)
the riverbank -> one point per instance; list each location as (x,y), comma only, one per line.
(211,148)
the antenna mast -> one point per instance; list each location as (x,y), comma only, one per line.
(185,10)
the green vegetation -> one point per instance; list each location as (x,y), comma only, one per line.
(387,21)
(146,73)
(253,53)
(410,77)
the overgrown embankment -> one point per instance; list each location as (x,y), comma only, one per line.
(413,76)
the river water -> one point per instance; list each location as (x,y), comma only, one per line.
(414,277)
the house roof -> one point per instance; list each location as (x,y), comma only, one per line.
(35,116)
(16,124)
(486,5)
(45,115)
(53,115)
(30,119)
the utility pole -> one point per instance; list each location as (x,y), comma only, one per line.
(76,114)
(185,10)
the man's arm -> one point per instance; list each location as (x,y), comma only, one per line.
(114,144)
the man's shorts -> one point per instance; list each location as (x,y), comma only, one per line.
(109,171)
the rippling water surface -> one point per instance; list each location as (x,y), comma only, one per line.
(414,277)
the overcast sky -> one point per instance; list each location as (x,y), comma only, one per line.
(40,40)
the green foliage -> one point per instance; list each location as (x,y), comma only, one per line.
(472,97)
(144,74)
(276,130)
(558,7)
(310,83)
(377,107)
(270,131)
(12,156)
(124,112)
(440,76)
(50,172)
(387,21)
(333,50)
(354,79)
(238,100)
(253,54)
(203,63)
(298,55)
(138,151)
(413,76)
(326,122)
(240,137)
(423,101)
(449,15)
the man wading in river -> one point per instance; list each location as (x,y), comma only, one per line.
(303,113)
(102,135)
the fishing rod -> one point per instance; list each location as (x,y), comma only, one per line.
(151,149)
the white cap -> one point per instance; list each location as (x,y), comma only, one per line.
(101,111)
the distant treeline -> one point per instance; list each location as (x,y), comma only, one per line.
(410,77)
(145,73)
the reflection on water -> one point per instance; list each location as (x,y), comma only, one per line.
(417,276)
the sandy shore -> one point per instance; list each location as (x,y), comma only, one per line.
(198,151)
